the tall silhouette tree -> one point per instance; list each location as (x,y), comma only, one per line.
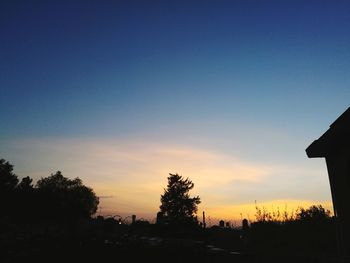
(176,204)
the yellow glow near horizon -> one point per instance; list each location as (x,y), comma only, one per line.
(248,211)
(231,213)
(133,174)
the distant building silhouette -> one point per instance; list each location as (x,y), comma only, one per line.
(222,223)
(334,145)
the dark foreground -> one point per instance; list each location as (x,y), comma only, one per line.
(109,240)
(143,249)
(141,245)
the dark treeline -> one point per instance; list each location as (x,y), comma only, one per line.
(52,199)
(52,221)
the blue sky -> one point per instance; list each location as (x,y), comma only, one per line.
(257,81)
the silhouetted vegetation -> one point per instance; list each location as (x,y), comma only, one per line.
(8,180)
(307,233)
(177,216)
(53,198)
(66,199)
(312,214)
(54,217)
(8,183)
(176,204)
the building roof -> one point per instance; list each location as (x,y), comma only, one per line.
(336,138)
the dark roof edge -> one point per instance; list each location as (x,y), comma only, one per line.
(330,140)
(345,115)
(315,150)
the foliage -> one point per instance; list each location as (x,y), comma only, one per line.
(313,213)
(276,216)
(66,198)
(176,204)
(26,184)
(53,198)
(8,180)
(8,183)
(305,231)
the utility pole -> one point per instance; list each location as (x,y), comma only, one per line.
(204,220)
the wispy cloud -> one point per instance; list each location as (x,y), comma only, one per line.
(134,172)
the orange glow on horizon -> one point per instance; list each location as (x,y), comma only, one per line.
(238,212)
(133,173)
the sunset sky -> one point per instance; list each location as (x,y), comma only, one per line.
(227,93)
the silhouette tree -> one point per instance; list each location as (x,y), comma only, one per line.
(8,183)
(8,180)
(63,198)
(314,213)
(26,184)
(176,204)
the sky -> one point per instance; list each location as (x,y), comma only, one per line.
(227,93)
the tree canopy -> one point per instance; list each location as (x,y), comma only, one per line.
(8,180)
(53,198)
(8,183)
(176,204)
(313,214)
(66,198)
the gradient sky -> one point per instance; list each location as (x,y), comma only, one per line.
(227,93)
